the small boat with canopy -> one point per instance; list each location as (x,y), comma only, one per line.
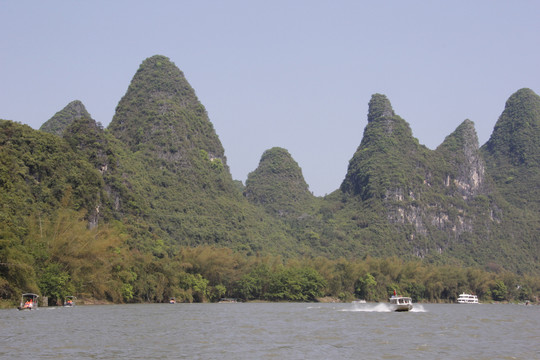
(29,301)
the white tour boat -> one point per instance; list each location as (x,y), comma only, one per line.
(467,299)
(400,303)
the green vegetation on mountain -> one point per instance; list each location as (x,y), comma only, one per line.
(62,119)
(512,152)
(37,171)
(147,208)
(181,171)
(278,184)
(388,157)
(62,257)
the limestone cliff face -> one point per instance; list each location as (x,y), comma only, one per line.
(466,166)
(423,193)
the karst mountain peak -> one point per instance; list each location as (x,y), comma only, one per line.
(159,169)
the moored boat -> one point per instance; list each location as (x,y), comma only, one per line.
(400,303)
(29,301)
(467,299)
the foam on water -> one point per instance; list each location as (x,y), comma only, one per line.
(379,307)
(372,307)
(418,308)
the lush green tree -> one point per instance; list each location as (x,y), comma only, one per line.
(499,291)
(366,287)
(55,283)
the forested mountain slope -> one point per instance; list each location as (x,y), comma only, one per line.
(513,151)
(185,182)
(62,119)
(278,185)
(156,179)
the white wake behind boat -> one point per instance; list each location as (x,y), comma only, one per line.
(467,299)
(361,301)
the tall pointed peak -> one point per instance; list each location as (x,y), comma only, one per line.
(163,78)
(463,137)
(379,108)
(386,137)
(517,130)
(62,119)
(383,120)
(521,96)
(512,153)
(161,113)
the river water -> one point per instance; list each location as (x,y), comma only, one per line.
(272,331)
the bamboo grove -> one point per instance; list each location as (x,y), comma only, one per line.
(62,257)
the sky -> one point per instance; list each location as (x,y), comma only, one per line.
(293,74)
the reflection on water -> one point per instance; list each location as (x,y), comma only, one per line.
(272,331)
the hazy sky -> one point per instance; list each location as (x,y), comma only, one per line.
(294,74)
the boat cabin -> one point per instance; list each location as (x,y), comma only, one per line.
(467,299)
(29,301)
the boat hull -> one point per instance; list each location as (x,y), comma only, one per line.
(400,308)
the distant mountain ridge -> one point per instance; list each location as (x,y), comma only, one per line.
(160,169)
